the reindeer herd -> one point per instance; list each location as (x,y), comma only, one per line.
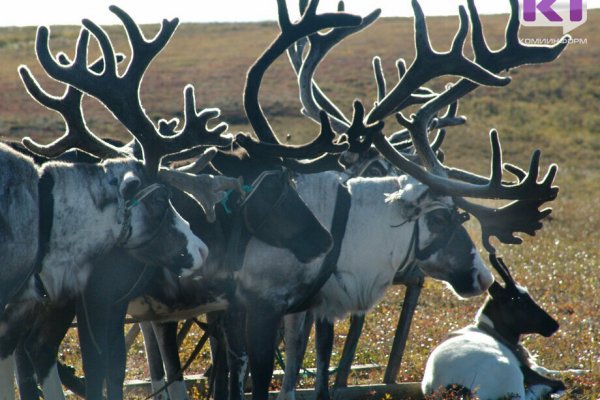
(188,218)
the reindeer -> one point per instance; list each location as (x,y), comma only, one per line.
(487,358)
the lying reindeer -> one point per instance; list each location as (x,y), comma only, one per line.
(487,358)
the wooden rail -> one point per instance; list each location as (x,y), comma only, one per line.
(410,390)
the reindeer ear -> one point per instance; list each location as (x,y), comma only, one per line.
(129,185)
(408,196)
(207,190)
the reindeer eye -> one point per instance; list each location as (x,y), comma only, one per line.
(438,220)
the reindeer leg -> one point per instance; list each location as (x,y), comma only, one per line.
(297,330)
(7,378)
(219,371)
(166,336)
(533,378)
(324,342)
(41,347)
(26,381)
(15,323)
(262,322)
(155,363)
(93,338)
(235,348)
(117,351)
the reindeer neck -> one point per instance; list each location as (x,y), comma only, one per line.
(85,208)
(489,320)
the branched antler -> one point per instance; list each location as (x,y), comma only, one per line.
(309,23)
(529,192)
(120,92)
(77,135)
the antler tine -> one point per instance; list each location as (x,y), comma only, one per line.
(450,118)
(195,124)
(360,135)
(308,24)
(77,134)
(380,78)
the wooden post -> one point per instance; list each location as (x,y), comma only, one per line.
(132,334)
(411,298)
(185,328)
(356,325)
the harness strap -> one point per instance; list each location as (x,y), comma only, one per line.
(125,212)
(406,268)
(329,265)
(46,219)
(236,243)
(442,238)
(241,230)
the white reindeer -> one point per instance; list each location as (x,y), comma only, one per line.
(486,358)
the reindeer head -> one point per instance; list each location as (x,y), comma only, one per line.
(440,246)
(511,308)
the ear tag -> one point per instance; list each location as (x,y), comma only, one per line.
(245,188)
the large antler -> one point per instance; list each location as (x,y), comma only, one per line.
(523,215)
(529,194)
(433,65)
(77,135)
(312,97)
(309,24)
(120,92)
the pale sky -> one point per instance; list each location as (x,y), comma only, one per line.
(61,12)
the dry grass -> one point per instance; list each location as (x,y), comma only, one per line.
(553,107)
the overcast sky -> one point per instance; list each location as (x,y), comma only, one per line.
(60,12)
